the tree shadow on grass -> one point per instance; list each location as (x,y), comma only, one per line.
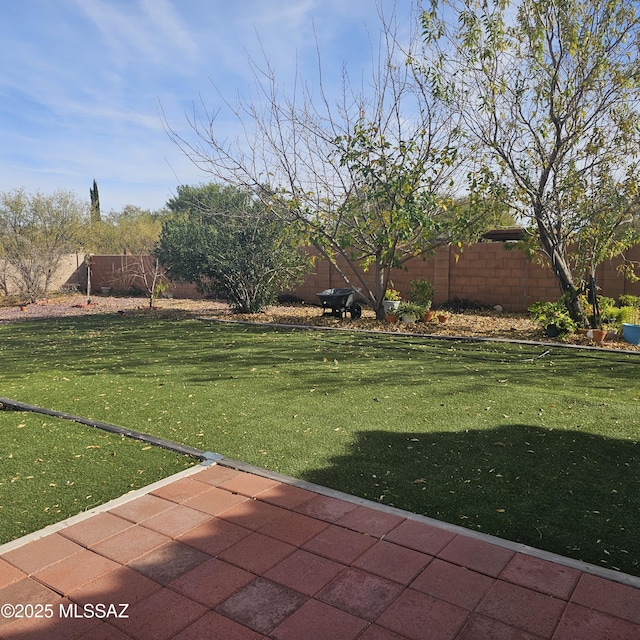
(567,492)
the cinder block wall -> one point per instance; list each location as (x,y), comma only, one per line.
(121,273)
(489,272)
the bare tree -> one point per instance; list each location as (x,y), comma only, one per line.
(153,276)
(369,176)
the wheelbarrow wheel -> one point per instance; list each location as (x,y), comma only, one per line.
(356,311)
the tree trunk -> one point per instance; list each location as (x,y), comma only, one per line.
(562,271)
(381,287)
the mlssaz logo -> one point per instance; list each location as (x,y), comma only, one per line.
(98,610)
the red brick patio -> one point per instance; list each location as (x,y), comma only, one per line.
(237,553)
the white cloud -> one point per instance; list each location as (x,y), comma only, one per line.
(152,29)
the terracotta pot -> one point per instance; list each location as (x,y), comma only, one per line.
(391,318)
(23,307)
(428,316)
(443,318)
(597,335)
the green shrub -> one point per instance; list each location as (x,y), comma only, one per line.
(629,315)
(553,313)
(627,300)
(411,309)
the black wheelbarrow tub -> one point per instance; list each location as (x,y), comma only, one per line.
(337,297)
(340,301)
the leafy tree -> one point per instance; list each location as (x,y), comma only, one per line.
(369,177)
(36,231)
(549,91)
(130,231)
(221,238)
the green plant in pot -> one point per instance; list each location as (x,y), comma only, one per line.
(421,292)
(391,300)
(409,312)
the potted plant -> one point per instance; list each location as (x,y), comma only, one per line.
(421,292)
(427,313)
(443,317)
(409,312)
(391,300)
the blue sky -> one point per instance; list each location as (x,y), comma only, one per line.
(81,81)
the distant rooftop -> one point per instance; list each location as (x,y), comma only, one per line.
(504,234)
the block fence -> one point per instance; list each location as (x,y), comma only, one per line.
(122,274)
(488,272)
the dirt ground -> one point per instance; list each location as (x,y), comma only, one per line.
(484,324)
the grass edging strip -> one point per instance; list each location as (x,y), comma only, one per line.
(207,457)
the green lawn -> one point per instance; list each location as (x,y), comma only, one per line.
(542,451)
(51,469)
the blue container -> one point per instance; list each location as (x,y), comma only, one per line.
(631,333)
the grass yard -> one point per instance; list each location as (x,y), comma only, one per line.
(540,450)
(52,469)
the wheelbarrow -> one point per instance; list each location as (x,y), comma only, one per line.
(341,302)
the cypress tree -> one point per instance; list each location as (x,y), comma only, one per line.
(95,202)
